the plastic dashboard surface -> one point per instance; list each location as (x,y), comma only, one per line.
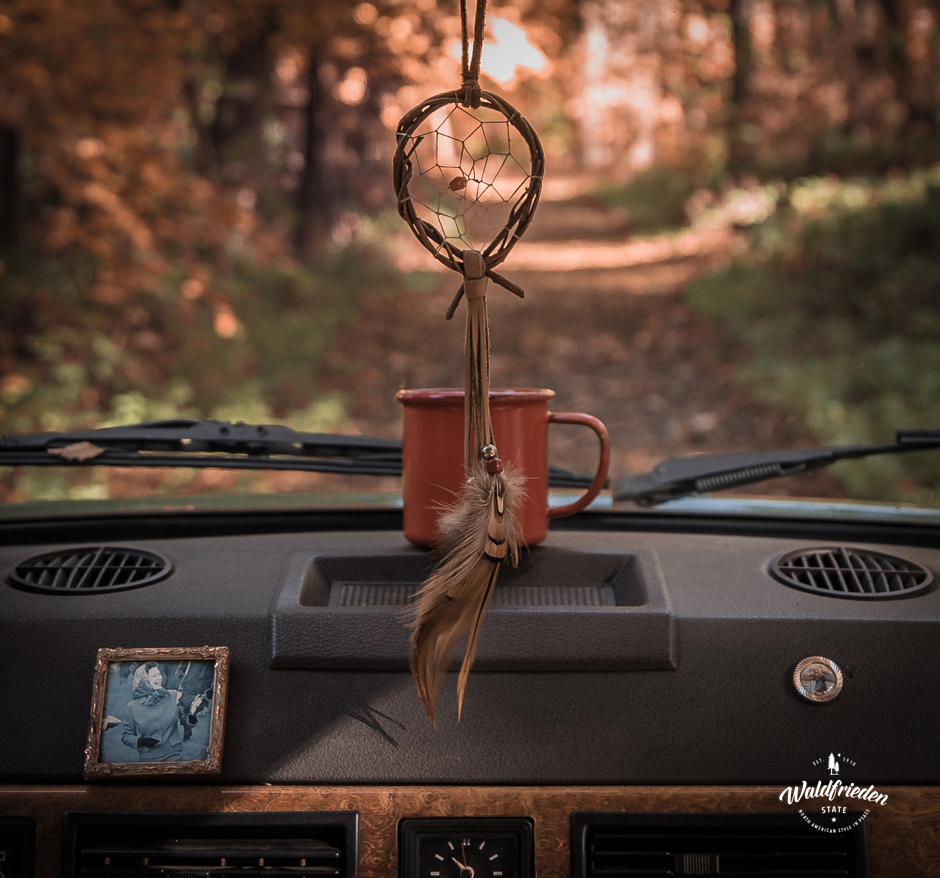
(627,666)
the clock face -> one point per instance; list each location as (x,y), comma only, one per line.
(465,848)
(473,856)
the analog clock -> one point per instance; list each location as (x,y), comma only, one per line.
(466,847)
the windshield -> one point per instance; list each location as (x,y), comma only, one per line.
(736,247)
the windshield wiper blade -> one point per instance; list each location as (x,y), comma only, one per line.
(683,476)
(192,443)
(183,442)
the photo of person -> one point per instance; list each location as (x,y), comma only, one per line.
(157,711)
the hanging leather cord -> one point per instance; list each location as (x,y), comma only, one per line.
(471,91)
(478,426)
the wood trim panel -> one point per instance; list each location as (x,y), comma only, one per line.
(904,833)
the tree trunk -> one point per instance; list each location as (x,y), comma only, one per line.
(914,94)
(9,185)
(743,56)
(317,193)
(738,150)
(241,112)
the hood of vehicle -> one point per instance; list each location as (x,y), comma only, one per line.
(37,509)
(703,506)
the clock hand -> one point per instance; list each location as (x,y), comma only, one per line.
(466,871)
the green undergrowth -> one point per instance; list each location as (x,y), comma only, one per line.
(834,315)
(652,201)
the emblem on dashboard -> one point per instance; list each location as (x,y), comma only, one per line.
(817,678)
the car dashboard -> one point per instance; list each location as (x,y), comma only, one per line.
(632,709)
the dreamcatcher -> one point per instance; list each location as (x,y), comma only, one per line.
(468,173)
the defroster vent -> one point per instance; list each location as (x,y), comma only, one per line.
(89,570)
(743,845)
(299,845)
(843,572)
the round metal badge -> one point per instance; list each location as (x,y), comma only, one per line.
(817,678)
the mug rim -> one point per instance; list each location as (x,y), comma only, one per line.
(455,395)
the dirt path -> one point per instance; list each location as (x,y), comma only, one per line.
(603,324)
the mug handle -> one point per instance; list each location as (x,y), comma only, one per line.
(600,477)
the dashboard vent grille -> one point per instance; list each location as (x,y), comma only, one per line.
(839,571)
(747,846)
(89,570)
(309,845)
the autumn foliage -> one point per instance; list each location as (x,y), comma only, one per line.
(190,189)
(169,169)
(90,90)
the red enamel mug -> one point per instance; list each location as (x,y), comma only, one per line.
(433,461)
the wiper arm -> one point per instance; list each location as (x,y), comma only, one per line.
(682,476)
(191,443)
(182,442)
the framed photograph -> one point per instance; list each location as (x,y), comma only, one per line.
(157,711)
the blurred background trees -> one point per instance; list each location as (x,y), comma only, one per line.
(796,87)
(194,194)
(169,169)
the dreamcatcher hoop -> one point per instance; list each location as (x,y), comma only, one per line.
(521,212)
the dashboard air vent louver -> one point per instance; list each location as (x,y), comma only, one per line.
(839,571)
(300,845)
(89,570)
(213,856)
(744,845)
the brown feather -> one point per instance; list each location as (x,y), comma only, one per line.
(478,533)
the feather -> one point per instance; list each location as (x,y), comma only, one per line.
(477,535)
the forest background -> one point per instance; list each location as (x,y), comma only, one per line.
(195,195)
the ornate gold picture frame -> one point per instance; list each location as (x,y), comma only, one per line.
(157,711)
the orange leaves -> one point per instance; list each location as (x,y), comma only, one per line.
(89,148)
(140,126)
(92,90)
(224,321)
(193,287)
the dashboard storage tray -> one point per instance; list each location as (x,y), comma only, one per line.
(561,609)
